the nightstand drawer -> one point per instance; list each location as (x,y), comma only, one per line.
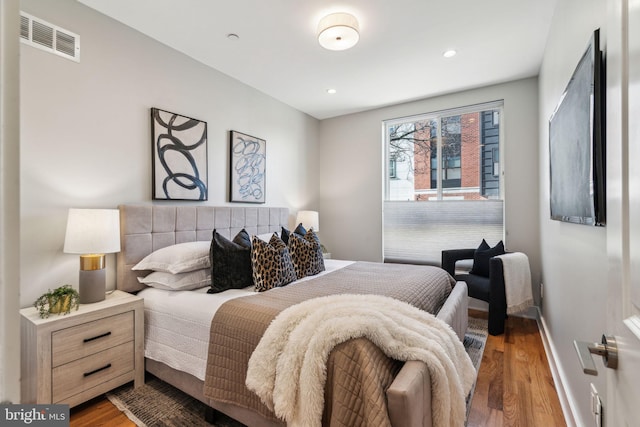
(81,375)
(89,338)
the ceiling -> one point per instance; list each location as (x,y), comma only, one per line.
(398,58)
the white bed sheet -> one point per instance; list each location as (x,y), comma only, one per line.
(177,322)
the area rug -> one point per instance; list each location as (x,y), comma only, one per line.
(475,338)
(474,341)
(157,404)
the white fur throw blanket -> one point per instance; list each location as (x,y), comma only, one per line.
(517,281)
(287,370)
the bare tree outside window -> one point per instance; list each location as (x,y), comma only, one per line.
(444,157)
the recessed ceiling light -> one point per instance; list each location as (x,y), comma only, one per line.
(233,36)
(331,91)
(449,53)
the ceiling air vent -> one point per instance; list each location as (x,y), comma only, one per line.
(43,35)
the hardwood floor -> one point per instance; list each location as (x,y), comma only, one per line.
(514,387)
(99,412)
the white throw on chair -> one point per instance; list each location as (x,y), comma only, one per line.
(517,281)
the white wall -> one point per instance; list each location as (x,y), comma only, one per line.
(574,257)
(351,177)
(9,202)
(86,133)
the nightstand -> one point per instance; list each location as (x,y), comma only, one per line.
(75,357)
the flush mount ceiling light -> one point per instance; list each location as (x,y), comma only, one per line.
(338,31)
(449,53)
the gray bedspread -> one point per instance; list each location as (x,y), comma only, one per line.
(358,372)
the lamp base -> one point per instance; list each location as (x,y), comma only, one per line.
(92,285)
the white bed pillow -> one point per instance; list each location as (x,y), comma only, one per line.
(180,258)
(178,282)
(265,237)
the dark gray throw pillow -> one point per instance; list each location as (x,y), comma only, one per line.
(284,233)
(482,255)
(230,262)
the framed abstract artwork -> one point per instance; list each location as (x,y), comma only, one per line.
(248,168)
(179,157)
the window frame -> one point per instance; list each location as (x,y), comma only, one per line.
(437,116)
(417,232)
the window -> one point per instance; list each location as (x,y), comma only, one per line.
(442,186)
(450,148)
(392,168)
(496,162)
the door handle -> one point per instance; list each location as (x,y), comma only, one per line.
(608,349)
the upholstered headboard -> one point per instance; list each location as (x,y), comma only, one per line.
(146,228)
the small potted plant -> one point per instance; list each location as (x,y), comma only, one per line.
(60,300)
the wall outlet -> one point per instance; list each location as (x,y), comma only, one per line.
(596,406)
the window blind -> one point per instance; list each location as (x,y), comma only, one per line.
(417,231)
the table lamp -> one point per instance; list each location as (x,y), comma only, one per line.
(309,220)
(92,233)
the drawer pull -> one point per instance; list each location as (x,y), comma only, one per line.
(106,334)
(95,371)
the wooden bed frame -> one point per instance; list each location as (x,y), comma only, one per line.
(146,228)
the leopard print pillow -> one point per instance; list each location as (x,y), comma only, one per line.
(271,262)
(306,254)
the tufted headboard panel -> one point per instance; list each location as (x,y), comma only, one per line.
(146,228)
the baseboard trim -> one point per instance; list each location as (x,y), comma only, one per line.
(559,378)
(476,304)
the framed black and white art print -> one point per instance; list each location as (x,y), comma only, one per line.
(248,168)
(179,163)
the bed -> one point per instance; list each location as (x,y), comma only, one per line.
(177,357)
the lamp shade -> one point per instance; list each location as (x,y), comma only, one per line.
(92,231)
(338,31)
(309,220)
